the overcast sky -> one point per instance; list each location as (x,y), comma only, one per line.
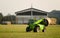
(11,6)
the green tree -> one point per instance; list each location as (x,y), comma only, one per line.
(11,18)
(1,16)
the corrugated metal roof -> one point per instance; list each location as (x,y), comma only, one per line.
(31,9)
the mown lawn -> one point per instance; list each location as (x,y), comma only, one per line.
(18,31)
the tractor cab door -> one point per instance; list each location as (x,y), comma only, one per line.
(30,23)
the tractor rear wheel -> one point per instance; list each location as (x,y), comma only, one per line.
(28,29)
(36,29)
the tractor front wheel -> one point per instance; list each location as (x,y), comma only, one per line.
(36,29)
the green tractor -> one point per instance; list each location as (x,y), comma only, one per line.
(36,25)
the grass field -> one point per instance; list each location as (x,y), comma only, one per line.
(18,31)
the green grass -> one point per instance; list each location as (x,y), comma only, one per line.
(18,31)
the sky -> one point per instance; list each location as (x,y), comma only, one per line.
(11,6)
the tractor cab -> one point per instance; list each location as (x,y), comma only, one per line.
(31,21)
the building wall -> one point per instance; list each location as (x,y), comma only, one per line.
(24,19)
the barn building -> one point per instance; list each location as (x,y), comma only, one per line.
(31,13)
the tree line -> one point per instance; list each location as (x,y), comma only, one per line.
(10,18)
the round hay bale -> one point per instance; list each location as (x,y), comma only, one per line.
(8,23)
(52,21)
(49,20)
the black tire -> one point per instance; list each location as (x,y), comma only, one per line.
(28,29)
(46,22)
(43,30)
(36,29)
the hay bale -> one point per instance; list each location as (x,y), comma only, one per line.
(49,20)
(52,21)
(8,23)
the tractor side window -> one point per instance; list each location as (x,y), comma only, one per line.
(31,21)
